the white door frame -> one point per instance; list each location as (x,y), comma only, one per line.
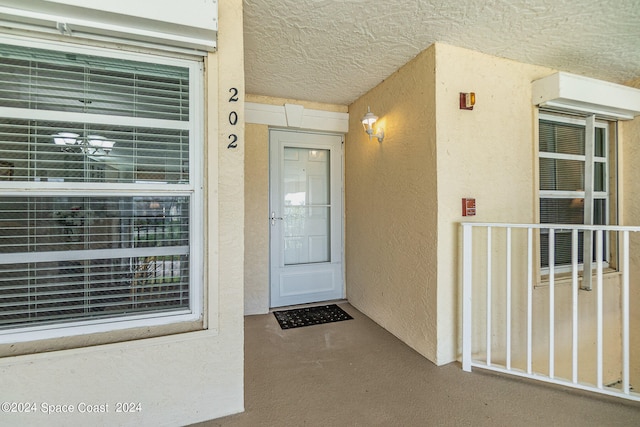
(282,276)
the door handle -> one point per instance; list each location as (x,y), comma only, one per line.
(273,218)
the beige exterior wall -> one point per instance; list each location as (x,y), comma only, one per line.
(403,199)
(256,223)
(490,154)
(630,180)
(391,206)
(178,379)
(256,281)
(487,154)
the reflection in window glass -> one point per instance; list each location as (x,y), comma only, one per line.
(74,152)
(29,292)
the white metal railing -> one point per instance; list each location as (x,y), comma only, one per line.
(511,325)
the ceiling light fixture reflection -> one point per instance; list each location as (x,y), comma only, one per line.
(95,145)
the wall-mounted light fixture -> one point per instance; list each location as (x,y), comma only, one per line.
(94,145)
(368,121)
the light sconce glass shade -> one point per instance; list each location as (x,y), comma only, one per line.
(368,121)
(99,143)
(66,138)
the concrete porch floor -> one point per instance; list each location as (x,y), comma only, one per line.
(354,373)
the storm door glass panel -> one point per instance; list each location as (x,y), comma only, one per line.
(307,208)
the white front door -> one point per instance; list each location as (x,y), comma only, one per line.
(305,217)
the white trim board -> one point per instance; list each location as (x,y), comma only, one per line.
(295,116)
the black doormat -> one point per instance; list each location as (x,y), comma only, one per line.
(299,317)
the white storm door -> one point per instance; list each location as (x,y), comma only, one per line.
(305,217)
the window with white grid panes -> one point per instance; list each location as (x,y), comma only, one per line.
(574,183)
(100,190)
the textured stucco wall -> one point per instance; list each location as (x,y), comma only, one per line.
(403,199)
(256,193)
(391,206)
(256,281)
(343,54)
(630,202)
(587,336)
(178,379)
(486,153)
(489,153)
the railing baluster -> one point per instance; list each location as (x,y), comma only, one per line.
(574,305)
(625,312)
(529,298)
(508,297)
(552,256)
(597,275)
(467,252)
(600,305)
(488,309)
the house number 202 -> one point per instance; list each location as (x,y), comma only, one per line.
(233,118)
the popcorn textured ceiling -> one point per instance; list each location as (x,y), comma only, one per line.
(334,51)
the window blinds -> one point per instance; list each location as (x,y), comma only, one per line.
(70,252)
(563,160)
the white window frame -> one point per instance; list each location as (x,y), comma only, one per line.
(589,194)
(195,189)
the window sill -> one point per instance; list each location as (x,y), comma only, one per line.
(97,339)
(566,279)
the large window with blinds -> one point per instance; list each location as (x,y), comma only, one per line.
(100,190)
(575,159)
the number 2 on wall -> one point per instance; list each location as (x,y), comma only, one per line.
(234,96)
(234,138)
